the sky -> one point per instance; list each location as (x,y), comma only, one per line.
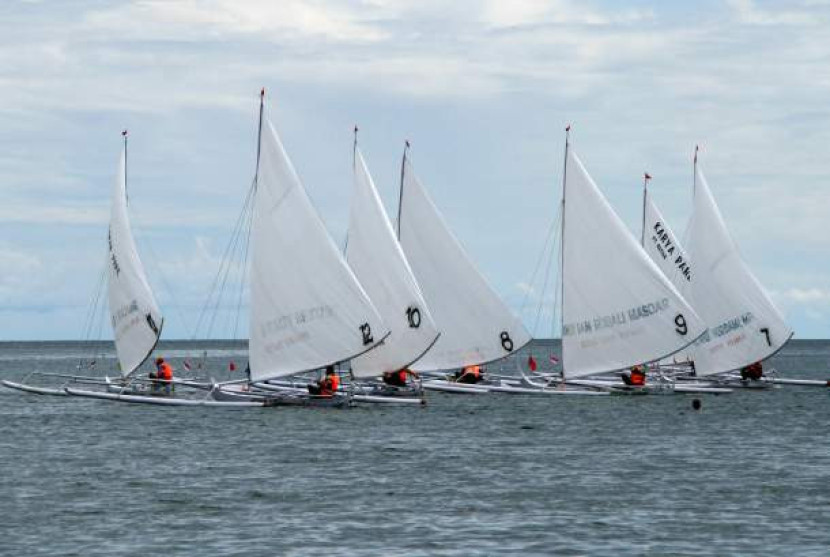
(483,91)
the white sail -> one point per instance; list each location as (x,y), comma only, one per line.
(135,317)
(476,327)
(619,310)
(307,308)
(744,325)
(664,249)
(376,257)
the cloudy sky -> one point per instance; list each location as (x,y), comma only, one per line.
(483,91)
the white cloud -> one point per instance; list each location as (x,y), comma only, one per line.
(211,19)
(516,13)
(807,296)
(487,86)
(749,12)
(19,270)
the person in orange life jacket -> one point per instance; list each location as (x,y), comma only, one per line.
(327,386)
(397,378)
(470,375)
(164,372)
(635,377)
(753,371)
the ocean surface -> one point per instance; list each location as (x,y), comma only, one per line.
(749,474)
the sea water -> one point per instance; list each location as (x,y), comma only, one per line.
(748,474)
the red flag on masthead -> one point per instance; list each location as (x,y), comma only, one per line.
(647,176)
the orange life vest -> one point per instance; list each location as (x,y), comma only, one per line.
(165,372)
(638,376)
(330,385)
(402,376)
(475,371)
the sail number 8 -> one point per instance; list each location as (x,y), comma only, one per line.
(506,341)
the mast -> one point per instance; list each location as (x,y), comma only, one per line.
(562,248)
(646,178)
(354,171)
(259,132)
(354,148)
(694,172)
(124,135)
(400,193)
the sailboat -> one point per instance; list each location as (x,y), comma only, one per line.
(308,309)
(744,326)
(135,316)
(476,326)
(618,309)
(378,261)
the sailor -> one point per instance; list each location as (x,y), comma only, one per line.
(327,386)
(753,371)
(470,374)
(164,372)
(396,378)
(635,377)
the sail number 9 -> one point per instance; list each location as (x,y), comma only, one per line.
(506,341)
(681,327)
(413,315)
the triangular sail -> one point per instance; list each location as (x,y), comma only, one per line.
(619,310)
(135,317)
(664,249)
(744,324)
(476,326)
(376,257)
(307,308)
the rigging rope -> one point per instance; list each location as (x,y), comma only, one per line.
(224,263)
